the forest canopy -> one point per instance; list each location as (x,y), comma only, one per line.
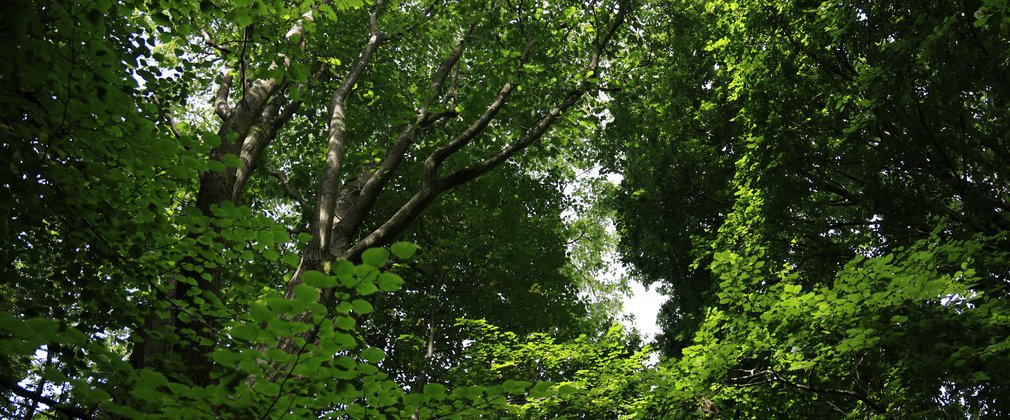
(375,209)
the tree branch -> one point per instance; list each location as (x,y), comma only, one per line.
(473,171)
(207,40)
(221,98)
(260,136)
(167,116)
(538,131)
(326,199)
(288,189)
(830,391)
(374,183)
(432,186)
(67,410)
(436,158)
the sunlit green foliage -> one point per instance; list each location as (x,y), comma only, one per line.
(365,209)
(841,220)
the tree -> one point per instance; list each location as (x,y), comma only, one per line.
(675,152)
(135,146)
(445,88)
(859,268)
(583,377)
(259,208)
(495,251)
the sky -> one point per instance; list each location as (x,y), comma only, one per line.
(644,305)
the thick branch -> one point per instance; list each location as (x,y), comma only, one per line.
(545,123)
(374,183)
(259,136)
(326,199)
(432,186)
(221,98)
(473,171)
(435,160)
(396,223)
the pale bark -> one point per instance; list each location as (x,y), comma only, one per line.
(341,208)
(432,185)
(329,185)
(368,192)
(240,123)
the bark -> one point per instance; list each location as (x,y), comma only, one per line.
(189,360)
(433,184)
(372,184)
(340,210)
(329,185)
(245,130)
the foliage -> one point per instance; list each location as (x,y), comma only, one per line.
(676,156)
(260,208)
(148,272)
(510,230)
(584,377)
(857,264)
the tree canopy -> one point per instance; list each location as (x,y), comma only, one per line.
(361,209)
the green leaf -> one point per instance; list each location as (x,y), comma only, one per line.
(243,19)
(349,281)
(344,322)
(225,357)
(245,332)
(567,390)
(260,313)
(232,161)
(362,307)
(366,288)
(415,400)
(540,390)
(278,304)
(375,257)
(434,391)
(365,271)
(318,279)
(342,268)
(345,341)
(154,379)
(215,165)
(404,250)
(306,293)
(515,387)
(372,355)
(271,254)
(278,355)
(44,328)
(390,282)
(291,260)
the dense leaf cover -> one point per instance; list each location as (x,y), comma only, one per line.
(834,204)
(367,209)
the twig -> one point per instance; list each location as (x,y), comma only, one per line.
(832,391)
(211,43)
(291,191)
(167,116)
(37,396)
